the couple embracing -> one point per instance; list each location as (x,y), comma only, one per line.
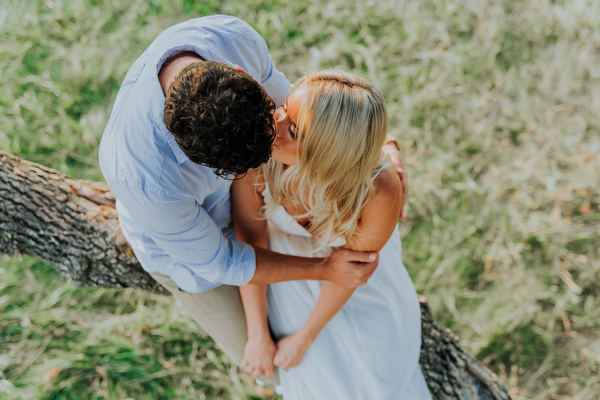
(269,211)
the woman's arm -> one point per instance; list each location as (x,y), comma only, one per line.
(260,348)
(377,222)
(292,349)
(379,217)
(245,203)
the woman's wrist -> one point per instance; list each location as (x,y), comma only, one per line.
(307,335)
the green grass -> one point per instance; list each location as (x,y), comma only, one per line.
(62,342)
(496,106)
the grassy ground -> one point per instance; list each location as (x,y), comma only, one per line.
(496,104)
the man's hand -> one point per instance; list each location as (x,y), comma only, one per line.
(258,357)
(392,149)
(351,268)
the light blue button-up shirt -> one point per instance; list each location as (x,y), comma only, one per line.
(176,214)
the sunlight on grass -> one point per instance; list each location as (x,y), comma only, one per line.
(496,105)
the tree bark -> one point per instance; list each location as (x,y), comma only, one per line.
(72,225)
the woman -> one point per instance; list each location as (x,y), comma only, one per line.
(328,185)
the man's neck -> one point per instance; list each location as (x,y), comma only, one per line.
(174,65)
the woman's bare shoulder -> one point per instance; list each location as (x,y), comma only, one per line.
(380,215)
(254,177)
(388,188)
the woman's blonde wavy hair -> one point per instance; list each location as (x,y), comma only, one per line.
(343,121)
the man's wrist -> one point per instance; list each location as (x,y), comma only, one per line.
(322,269)
(258,333)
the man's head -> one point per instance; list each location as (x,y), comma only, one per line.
(220,117)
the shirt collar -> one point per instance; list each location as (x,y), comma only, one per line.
(207,55)
(179,154)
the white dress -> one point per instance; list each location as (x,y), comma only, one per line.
(370,349)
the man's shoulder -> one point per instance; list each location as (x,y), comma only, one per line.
(134,152)
(218,28)
(226,22)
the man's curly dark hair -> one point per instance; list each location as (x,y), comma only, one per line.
(220,117)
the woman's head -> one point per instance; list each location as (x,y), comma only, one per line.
(330,132)
(333,119)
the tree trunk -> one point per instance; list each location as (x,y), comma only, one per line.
(72,225)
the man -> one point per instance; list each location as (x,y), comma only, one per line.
(172,199)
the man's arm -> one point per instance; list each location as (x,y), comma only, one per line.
(249,50)
(345,267)
(186,243)
(199,251)
(273,80)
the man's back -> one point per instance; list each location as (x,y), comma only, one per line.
(175,213)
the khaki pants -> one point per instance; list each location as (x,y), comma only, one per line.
(220,313)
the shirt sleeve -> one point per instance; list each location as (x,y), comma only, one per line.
(273,80)
(275,83)
(244,46)
(189,236)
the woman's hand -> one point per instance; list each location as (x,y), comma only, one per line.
(258,357)
(291,351)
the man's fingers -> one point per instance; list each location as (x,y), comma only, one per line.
(354,268)
(362,256)
(404,181)
(365,270)
(404,196)
(394,158)
(393,152)
(366,273)
(238,68)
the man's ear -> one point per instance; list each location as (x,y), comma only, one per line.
(238,68)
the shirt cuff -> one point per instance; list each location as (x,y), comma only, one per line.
(242,264)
